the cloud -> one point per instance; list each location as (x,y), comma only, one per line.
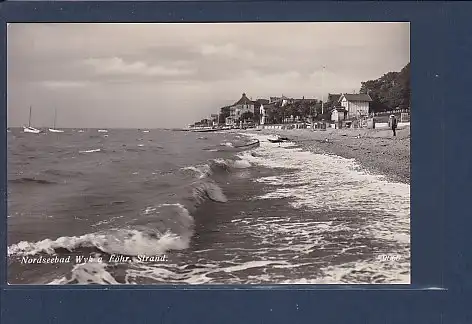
(283,76)
(63,84)
(117,66)
(228,50)
(190,70)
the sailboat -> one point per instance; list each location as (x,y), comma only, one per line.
(53,129)
(30,129)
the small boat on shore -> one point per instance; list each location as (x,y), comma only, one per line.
(252,144)
(278,139)
(205,130)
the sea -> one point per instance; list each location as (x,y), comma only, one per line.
(131,206)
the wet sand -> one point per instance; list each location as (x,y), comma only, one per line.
(377,150)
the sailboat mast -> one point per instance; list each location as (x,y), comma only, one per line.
(55,117)
(29,121)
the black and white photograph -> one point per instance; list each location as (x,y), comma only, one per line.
(209,153)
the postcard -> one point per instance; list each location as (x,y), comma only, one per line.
(216,153)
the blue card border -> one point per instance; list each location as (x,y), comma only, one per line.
(440,181)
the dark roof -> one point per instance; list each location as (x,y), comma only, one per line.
(243,101)
(356,97)
(308,100)
(263,101)
(269,106)
(333,97)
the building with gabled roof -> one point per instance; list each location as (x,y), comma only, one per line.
(240,107)
(243,101)
(334,97)
(355,105)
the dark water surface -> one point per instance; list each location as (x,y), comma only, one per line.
(182,207)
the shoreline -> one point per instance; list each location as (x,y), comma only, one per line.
(376,150)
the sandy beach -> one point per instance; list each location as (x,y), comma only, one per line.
(375,149)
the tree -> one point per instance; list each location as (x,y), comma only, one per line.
(224,113)
(256,116)
(248,115)
(391,91)
(275,113)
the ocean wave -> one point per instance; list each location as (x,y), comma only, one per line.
(63,173)
(27,180)
(205,187)
(203,171)
(228,144)
(87,273)
(208,190)
(217,166)
(131,242)
(150,239)
(160,227)
(241,164)
(335,186)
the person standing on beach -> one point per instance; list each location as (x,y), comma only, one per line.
(393,124)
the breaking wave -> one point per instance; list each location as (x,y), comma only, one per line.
(130,242)
(143,240)
(166,225)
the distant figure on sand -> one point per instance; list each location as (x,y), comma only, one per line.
(393,124)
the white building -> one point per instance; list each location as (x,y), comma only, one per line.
(262,113)
(338,114)
(356,105)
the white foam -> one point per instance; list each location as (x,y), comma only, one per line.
(103,222)
(128,242)
(241,164)
(323,182)
(149,210)
(87,273)
(90,151)
(371,271)
(331,184)
(201,274)
(203,171)
(228,144)
(122,241)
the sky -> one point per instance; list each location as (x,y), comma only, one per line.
(171,75)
